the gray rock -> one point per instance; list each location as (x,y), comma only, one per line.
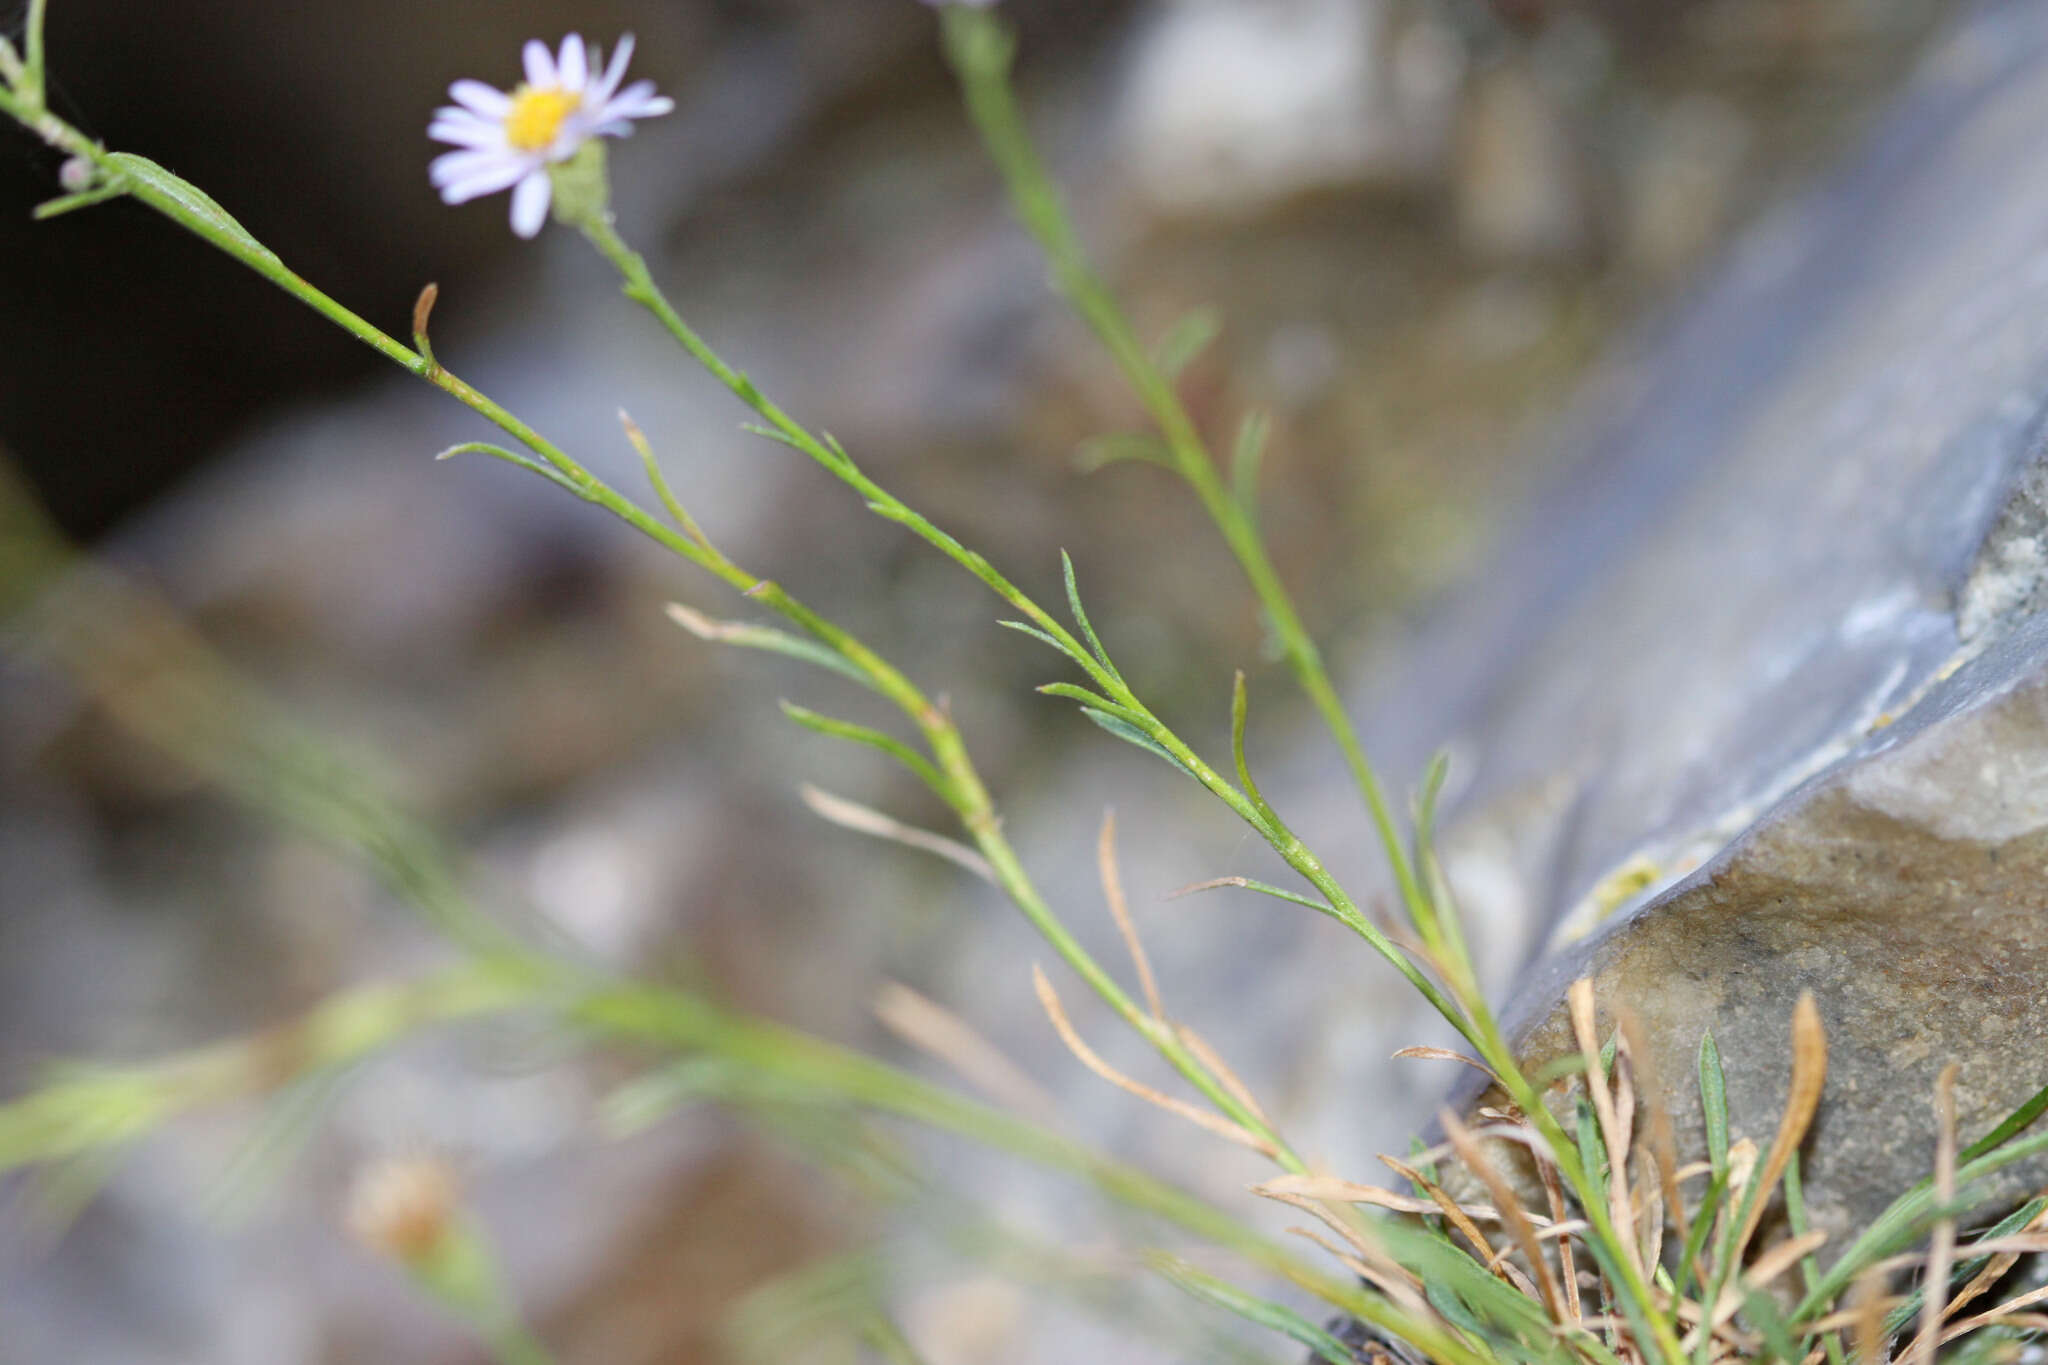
(1769,678)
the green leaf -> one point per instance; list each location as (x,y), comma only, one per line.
(1426,795)
(513,457)
(1131,734)
(1118,447)
(1702,1226)
(1714,1102)
(770,433)
(2018,1121)
(1081,616)
(745,636)
(1264,889)
(1239,709)
(872,738)
(1185,340)
(1262,1312)
(1763,1315)
(1075,692)
(1966,1266)
(185,203)
(1245,457)
(1035,633)
(98,194)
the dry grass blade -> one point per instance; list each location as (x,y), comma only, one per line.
(1567,1268)
(1513,1216)
(1444,1054)
(1341,1191)
(1120,911)
(1650,1219)
(1809,1076)
(1387,1277)
(1994,1270)
(1761,1272)
(1663,1136)
(866,820)
(1201,1118)
(2005,1312)
(1462,1219)
(931,1027)
(1942,1252)
(1619,1205)
(1506,1130)
(1867,1306)
(1221,1070)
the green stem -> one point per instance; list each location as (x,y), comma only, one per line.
(968,794)
(641,287)
(980,48)
(669,1018)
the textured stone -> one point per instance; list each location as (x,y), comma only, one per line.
(1763,706)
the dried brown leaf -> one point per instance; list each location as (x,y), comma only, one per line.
(1120,911)
(1049,1000)
(931,1027)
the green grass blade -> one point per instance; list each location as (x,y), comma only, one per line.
(1131,734)
(873,739)
(1714,1102)
(1185,340)
(1265,1313)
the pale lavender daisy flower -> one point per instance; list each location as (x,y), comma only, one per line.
(508,141)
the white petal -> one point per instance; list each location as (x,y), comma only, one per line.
(530,203)
(637,100)
(573,70)
(461,128)
(453,166)
(616,128)
(481,98)
(616,71)
(540,65)
(481,179)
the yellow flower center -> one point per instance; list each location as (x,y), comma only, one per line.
(536,117)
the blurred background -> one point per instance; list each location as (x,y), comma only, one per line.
(1420,221)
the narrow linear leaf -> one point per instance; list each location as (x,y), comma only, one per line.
(1714,1102)
(1193,334)
(2015,1123)
(84,199)
(866,820)
(1081,616)
(873,739)
(1763,1314)
(513,457)
(782,438)
(1035,633)
(1262,1312)
(1239,710)
(1131,734)
(659,481)
(1247,884)
(1245,457)
(1966,1265)
(745,636)
(1119,447)
(1075,692)
(1426,797)
(185,203)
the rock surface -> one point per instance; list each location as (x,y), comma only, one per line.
(1770,677)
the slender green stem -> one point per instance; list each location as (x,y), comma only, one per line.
(980,47)
(641,287)
(676,1020)
(966,792)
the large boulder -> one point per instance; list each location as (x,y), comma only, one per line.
(1761,704)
